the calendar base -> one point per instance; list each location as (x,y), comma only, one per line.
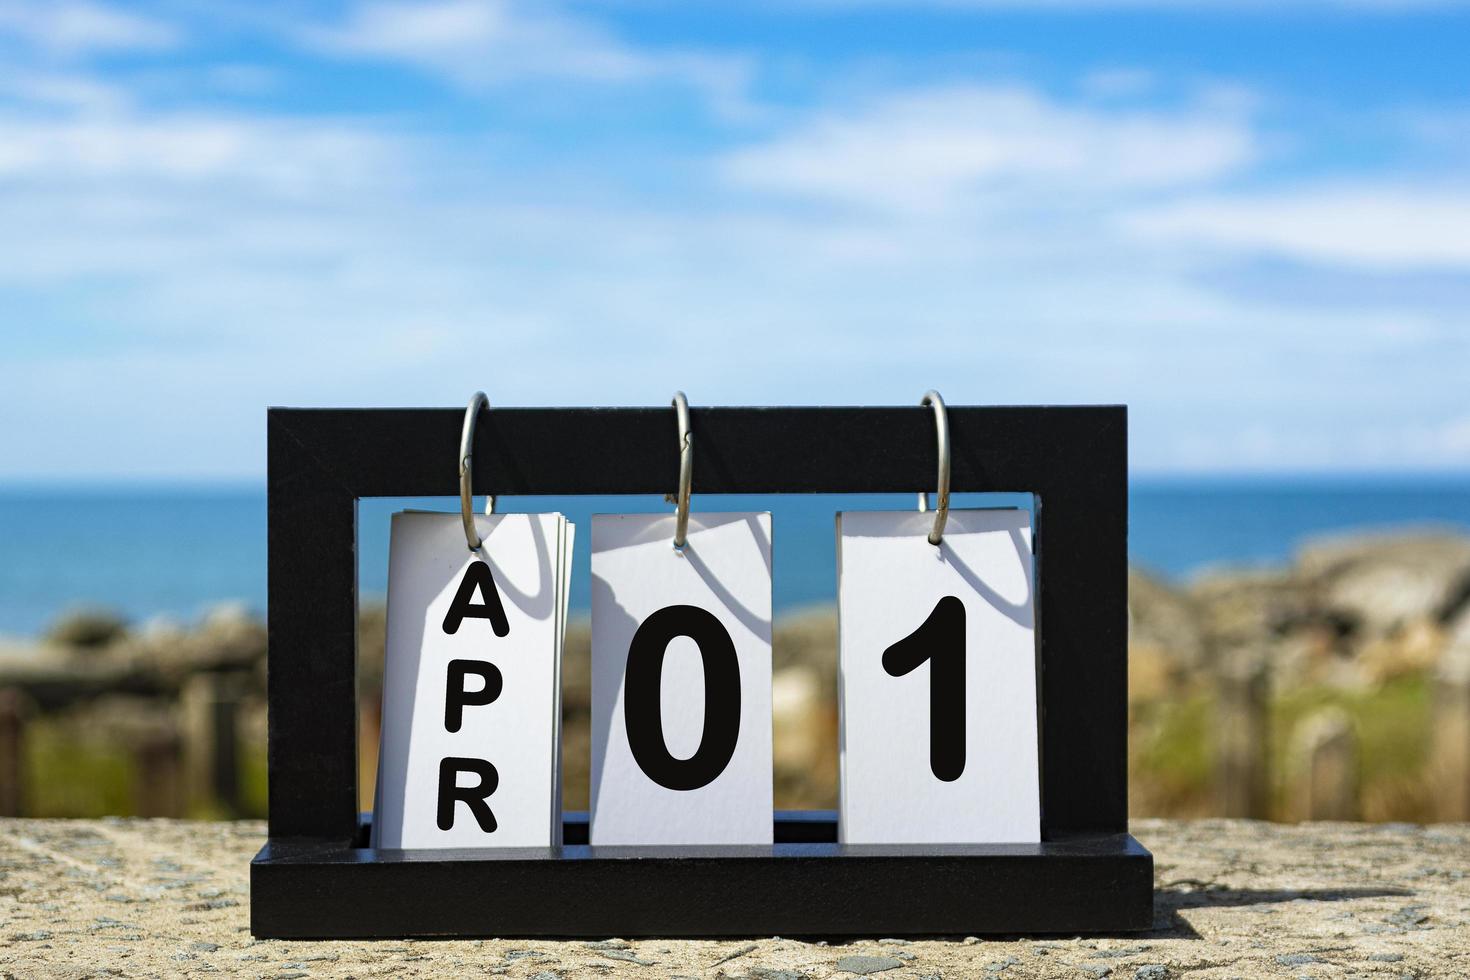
(805,885)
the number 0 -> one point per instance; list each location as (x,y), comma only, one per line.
(939,640)
(642,697)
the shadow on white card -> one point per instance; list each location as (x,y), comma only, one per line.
(1021,610)
(633,533)
(938,675)
(538,604)
(471,683)
(681,680)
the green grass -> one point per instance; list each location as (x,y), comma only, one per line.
(68,777)
(1172,749)
(252,781)
(1392,723)
(1172,754)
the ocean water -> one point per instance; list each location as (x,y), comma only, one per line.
(174,552)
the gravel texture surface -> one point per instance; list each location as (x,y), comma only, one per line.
(156,898)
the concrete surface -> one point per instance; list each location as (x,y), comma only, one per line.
(1234,899)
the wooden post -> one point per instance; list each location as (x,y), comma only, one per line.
(211,709)
(1324,767)
(14,711)
(158,789)
(1242,735)
(1450,753)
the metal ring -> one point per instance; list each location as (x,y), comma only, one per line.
(466,467)
(941,428)
(686,470)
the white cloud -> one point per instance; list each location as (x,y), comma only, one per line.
(73,27)
(52,91)
(1453,439)
(941,148)
(480,43)
(289,155)
(1380,226)
(1226,446)
(223,261)
(481,40)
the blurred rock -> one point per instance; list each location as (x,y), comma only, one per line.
(228,616)
(1240,608)
(87,629)
(797,707)
(576,668)
(804,738)
(804,708)
(1457,629)
(1352,611)
(162,629)
(1165,640)
(372,635)
(1414,649)
(809,639)
(1380,583)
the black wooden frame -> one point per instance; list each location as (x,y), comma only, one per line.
(316,877)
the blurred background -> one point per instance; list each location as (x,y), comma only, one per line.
(1249,222)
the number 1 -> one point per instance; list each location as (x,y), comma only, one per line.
(939,641)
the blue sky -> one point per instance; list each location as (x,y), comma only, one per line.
(1250,222)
